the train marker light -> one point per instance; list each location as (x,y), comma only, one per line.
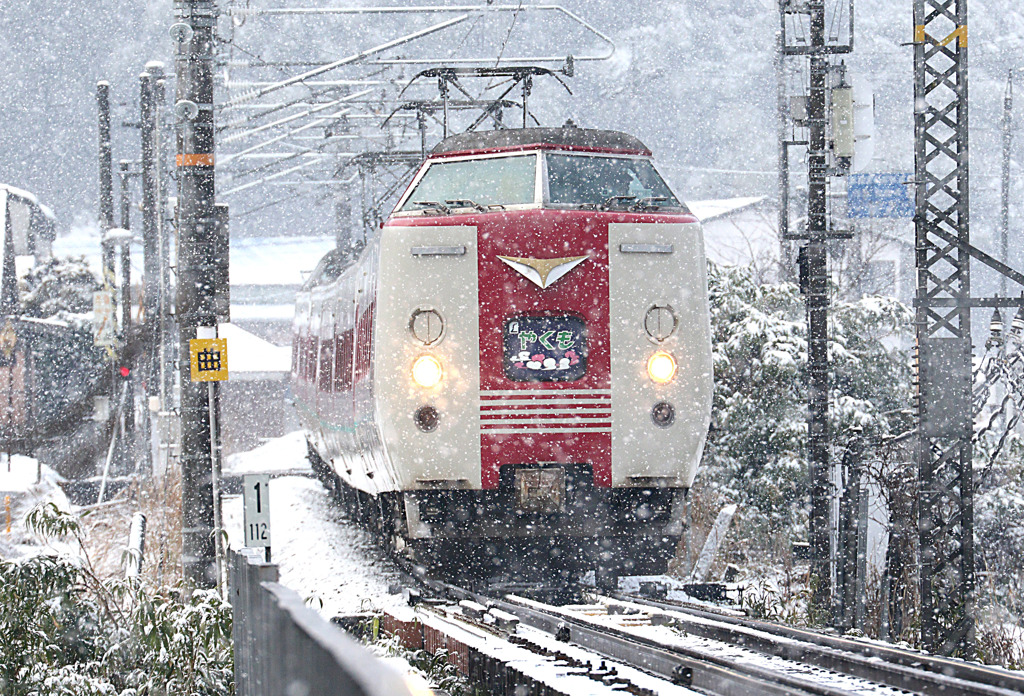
(427,371)
(663,414)
(661,367)
(426,418)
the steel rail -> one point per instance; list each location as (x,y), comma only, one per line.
(896,667)
(707,672)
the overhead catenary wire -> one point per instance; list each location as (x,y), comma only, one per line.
(508,35)
(298,117)
(348,60)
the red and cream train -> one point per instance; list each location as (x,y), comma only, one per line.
(514,376)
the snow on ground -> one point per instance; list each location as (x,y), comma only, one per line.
(321,554)
(285,454)
(17,473)
(19,486)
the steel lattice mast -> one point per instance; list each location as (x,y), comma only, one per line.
(943,319)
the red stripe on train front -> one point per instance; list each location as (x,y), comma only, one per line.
(504,294)
(562,448)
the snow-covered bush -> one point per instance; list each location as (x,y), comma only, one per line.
(65,631)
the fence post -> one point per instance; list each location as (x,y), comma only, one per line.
(280,644)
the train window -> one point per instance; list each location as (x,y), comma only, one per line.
(545,349)
(498,181)
(328,270)
(613,182)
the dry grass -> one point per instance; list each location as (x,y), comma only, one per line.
(106,529)
(161,504)
(1001,644)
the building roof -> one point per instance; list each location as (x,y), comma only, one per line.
(712,209)
(250,357)
(567,137)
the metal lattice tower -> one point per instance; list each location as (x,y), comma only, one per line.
(943,318)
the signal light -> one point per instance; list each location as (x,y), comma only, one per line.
(125,372)
(427,371)
(661,367)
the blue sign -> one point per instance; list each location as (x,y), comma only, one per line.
(880,196)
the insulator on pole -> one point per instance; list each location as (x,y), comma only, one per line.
(995,328)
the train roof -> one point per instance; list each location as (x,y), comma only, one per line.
(567,137)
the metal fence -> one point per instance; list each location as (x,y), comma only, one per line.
(284,648)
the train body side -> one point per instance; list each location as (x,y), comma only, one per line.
(333,369)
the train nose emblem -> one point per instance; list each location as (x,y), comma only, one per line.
(543,272)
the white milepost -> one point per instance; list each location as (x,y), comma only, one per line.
(256,499)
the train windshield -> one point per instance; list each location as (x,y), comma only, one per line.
(490,181)
(607,182)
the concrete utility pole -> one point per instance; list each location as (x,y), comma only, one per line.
(818,47)
(126,302)
(106,180)
(1004,227)
(197,226)
(816,293)
(165,352)
(125,175)
(150,238)
(148,363)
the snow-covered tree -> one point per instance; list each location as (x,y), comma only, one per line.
(756,453)
(59,288)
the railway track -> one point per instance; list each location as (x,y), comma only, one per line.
(708,653)
(690,649)
(904,669)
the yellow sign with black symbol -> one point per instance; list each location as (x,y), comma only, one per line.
(209,358)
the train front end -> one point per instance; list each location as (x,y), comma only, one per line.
(543,358)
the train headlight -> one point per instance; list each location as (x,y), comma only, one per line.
(427,371)
(661,367)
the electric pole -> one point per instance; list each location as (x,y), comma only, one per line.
(812,113)
(197,227)
(943,365)
(945,450)
(125,175)
(126,307)
(106,181)
(165,353)
(148,363)
(1004,228)
(107,216)
(816,293)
